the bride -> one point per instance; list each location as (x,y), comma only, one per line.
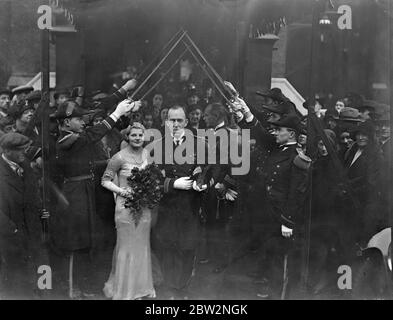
(131,274)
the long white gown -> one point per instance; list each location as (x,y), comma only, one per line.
(131,274)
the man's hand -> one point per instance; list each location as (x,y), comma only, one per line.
(130,84)
(231,88)
(196,188)
(240,105)
(44,214)
(286,232)
(126,106)
(231,195)
(183,183)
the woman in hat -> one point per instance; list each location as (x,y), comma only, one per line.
(363,162)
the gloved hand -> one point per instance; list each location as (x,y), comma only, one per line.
(240,105)
(130,84)
(196,188)
(286,232)
(231,195)
(126,106)
(44,214)
(183,183)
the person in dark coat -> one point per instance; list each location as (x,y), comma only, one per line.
(220,205)
(73,227)
(327,224)
(21,246)
(176,234)
(363,164)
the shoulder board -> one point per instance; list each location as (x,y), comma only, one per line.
(68,140)
(301,160)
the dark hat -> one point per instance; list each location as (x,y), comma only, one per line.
(290,122)
(6,121)
(22,89)
(280,108)
(34,96)
(14,141)
(274,93)
(350,114)
(69,109)
(331,135)
(5,91)
(16,110)
(366,128)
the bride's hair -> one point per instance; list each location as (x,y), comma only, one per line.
(137,125)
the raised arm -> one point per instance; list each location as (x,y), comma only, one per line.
(95,133)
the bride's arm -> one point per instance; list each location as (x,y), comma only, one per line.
(111,171)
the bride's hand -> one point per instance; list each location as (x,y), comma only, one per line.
(125,192)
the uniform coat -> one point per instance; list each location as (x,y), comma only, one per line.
(74,226)
(177,231)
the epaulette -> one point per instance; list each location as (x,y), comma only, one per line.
(301,160)
(68,140)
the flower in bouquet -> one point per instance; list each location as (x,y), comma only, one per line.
(146,191)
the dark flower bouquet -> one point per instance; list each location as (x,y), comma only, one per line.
(145,190)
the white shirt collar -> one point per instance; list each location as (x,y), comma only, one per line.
(180,138)
(221,124)
(356,156)
(14,166)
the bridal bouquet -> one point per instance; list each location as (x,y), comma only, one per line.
(145,190)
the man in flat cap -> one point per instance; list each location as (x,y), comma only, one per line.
(286,177)
(20,93)
(21,247)
(73,227)
(5,100)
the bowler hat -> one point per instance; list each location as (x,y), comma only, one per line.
(350,114)
(14,141)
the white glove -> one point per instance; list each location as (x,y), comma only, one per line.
(219,186)
(130,84)
(183,183)
(240,105)
(126,106)
(286,232)
(231,88)
(196,188)
(231,195)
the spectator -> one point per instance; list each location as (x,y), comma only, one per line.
(5,99)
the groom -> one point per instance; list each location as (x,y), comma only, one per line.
(176,234)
